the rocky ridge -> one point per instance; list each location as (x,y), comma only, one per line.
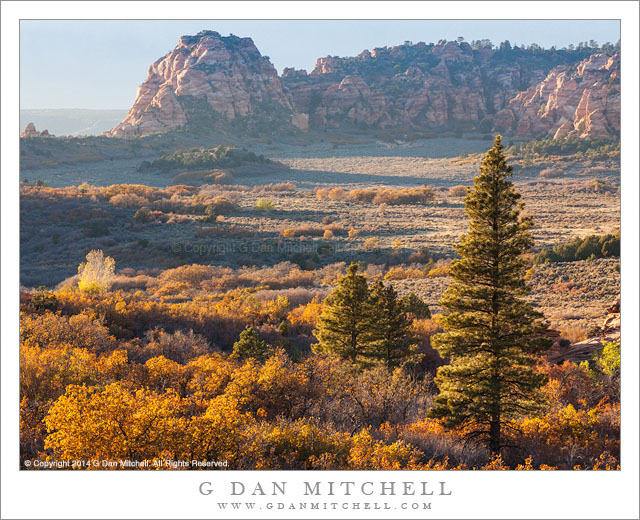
(419,87)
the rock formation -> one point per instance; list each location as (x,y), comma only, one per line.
(210,80)
(584,350)
(583,100)
(228,73)
(30,131)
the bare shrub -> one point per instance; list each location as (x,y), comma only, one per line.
(550,173)
(600,186)
(279,187)
(371,243)
(574,334)
(322,193)
(458,191)
(224,231)
(404,196)
(362,195)
(223,178)
(335,229)
(178,346)
(394,196)
(337,194)
(222,205)
(295,295)
(306,230)
(128,200)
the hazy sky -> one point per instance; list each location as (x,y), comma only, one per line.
(99,64)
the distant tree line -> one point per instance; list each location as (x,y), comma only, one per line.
(591,46)
(595,148)
(204,158)
(590,247)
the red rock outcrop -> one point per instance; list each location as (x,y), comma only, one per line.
(30,131)
(584,350)
(581,100)
(228,73)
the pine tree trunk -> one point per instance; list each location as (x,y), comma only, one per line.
(354,347)
(494,433)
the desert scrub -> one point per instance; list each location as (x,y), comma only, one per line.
(371,243)
(550,173)
(458,191)
(280,187)
(600,186)
(307,230)
(264,205)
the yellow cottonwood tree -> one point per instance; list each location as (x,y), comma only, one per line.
(96,274)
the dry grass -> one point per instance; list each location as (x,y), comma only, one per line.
(364,208)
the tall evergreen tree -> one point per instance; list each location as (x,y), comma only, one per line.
(490,330)
(393,344)
(344,327)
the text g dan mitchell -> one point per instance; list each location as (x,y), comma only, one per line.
(327,488)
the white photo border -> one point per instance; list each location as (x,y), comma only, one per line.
(166,494)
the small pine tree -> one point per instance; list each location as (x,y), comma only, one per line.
(249,345)
(44,300)
(393,344)
(490,329)
(344,327)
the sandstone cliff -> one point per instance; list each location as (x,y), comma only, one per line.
(210,80)
(228,73)
(582,100)
(451,85)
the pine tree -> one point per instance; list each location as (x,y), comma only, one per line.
(415,306)
(344,327)
(490,330)
(393,344)
(249,345)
